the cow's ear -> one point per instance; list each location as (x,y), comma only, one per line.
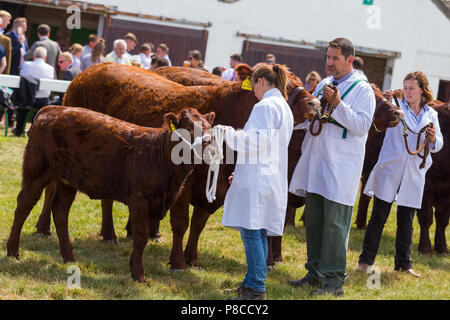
(210,117)
(171,120)
(244,71)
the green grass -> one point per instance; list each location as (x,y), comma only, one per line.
(41,274)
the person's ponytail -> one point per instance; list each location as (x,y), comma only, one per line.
(281,78)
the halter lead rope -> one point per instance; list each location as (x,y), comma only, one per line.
(217,134)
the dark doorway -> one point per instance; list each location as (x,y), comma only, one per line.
(444,91)
(374,69)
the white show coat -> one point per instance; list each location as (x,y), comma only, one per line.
(397,168)
(331,165)
(257,198)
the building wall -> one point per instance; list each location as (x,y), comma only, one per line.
(415,28)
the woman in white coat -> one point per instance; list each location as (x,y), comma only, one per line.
(256,202)
(397,176)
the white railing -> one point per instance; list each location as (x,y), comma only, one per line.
(44,84)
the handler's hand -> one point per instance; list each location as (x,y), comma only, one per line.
(431,132)
(230,178)
(388,94)
(328,94)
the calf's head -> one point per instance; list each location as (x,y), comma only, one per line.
(191,131)
(387,114)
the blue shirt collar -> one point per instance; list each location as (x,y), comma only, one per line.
(342,79)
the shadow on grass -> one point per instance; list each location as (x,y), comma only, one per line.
(105,266)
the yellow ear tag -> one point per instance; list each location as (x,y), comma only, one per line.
(172,127)
(247,84)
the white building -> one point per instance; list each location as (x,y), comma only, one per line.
(394,37)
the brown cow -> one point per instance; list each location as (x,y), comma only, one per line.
(191,76)
(386,115)
(142,97)
(75,146)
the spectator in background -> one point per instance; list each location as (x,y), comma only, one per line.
(195,60)
(92,41)
(2,59)
(69,71)
(217,71)
(33,71)
(358,65)
(162,50)
(158,62)
(229,74)
(5,42)
(95,57)
(53,49)
(118,54)
(145,53)
(312,80)
(19,44)
(5,17)
(65,63)
(76,50)
(132,42)
(270,59)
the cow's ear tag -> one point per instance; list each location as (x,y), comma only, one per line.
(247,84)
(172,127)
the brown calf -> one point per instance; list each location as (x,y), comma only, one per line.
(105,158)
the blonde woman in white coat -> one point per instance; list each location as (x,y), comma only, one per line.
(397,176)
(256,202)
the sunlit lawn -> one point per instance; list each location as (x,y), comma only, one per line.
(41,274)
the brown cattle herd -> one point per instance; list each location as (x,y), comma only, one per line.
(127,113)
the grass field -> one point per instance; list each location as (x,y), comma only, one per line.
(41,274)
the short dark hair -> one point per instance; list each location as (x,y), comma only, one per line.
(130,36)
(160,62)
(236,57)
(163,47)
(43,29)
(145,47)
(217,71)
(358,63)
(92,38)
(346,46)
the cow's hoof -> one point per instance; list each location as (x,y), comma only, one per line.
(111,241)
(13,256)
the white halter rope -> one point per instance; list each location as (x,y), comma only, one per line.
(217,134)
(196,142)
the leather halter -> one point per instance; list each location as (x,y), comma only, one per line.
(294,94)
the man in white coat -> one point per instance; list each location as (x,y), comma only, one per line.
(256,202)
(329,170)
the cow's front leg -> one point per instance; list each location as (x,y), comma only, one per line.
(179,220)
(198,222)
(139,225)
